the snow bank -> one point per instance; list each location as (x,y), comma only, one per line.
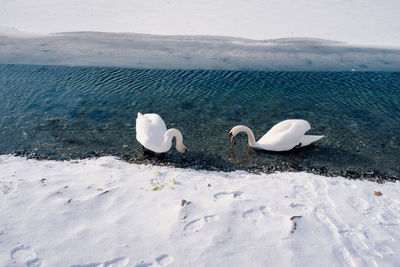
(105,212)
(194,52)
(365,22)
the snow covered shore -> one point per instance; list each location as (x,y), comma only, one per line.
(258,35)
(360,22)
(106,212)
(194,52)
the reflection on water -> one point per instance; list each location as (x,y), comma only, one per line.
(73,112)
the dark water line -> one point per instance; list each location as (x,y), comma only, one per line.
(60,112)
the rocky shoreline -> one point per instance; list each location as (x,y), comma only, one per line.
(215,164)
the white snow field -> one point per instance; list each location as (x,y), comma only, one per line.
(106,212)
(363,22)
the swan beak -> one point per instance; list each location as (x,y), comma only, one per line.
(184,153)
(231,137)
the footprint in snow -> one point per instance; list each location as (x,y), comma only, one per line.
(360,205)
(210,218)
(194,225)
(25,255)
(162,260)
(226,195)
(197,224)
(116,262)
(7,187)
(142,263)
(257,213)
(249,213)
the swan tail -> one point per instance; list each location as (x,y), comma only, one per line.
(308,139)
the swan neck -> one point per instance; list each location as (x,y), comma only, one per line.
(171,133)
(250,135)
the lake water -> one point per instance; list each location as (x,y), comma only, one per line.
(60,112)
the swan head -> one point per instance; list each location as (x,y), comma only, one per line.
(234,131)
(181,148)
(231,136)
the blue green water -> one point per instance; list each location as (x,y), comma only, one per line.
(60,112)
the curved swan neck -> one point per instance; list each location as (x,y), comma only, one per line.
(248,131)
(170,134)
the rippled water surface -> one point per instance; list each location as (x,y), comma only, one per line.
(75,112)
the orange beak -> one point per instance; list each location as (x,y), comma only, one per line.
(184,153)
(231,138)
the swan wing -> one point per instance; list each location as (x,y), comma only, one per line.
(150,130)
(286,134)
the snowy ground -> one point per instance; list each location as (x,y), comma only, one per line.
(363,22)
(105,212)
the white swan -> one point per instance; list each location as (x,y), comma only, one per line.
(152,133)
(284,136)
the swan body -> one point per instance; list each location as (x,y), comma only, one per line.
(152,133)
(284,136)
